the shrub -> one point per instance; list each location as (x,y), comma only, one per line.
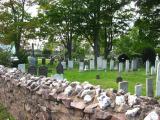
(22,56)
(5,58)
(46,52)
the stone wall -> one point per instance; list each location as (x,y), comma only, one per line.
(40,98)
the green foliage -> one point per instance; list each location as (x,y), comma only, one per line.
(5,57)
(23,56)
(46,52)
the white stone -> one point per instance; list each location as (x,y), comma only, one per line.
(85,92)
(120,67)
(87,98)
(127,66)
(99,63)
(86,68)
(81,66)
(147,67)
(64,65)
(111,64)
(104,64)
(70,64)
(153,71)
(132,100)
(58,77)
(158,81)
(68,90)
(156,62)
(152,116)
(78,88)
(21,67)
(120,100)
(91,65)
(104,101)
(132,113)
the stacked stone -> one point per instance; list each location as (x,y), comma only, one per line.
(37,98)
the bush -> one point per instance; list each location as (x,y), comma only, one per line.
(46,52)
(148,53)
(22,56)
(5,58)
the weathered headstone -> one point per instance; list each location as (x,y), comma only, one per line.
(81,66)
(153,70)
(99,63)
(127,66)
(104,64)
(149,87)
(86,68)
(134,65)
(32,70)
(147,67)
(22,68)
(32,61)
(158,81)
(59,68)
(43,61)
(120,68)
(138,89)
(70,64)
(123,86)
(156,62)
(91,65)
(43,70)
(111,64)
(64,65)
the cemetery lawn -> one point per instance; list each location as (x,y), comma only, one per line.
(107,79)
(4,115)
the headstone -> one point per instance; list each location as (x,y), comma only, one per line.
(91,64)
(158,81)
(153,70)
(22,68)
(32,61)
(156,62)
(111,64)
(127,66)
(32,70)
(70,64)
(120,68)
(134,65)
(43,70)
(43,61)
(81,66)
(138,89)
(59,68)
(86,68)
(147,67)
(99,63)
(104,64)
(64,65)
(149,87)
(58,77)
(123,86)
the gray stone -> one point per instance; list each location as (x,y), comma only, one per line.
(156,62)
(120,68)
(134,65)
(99,63)
(104,64)
(147,67)
(91,65)
(86,68)
(158,81)
(149,87)
(127,66)
(70,64)
(21,67)
(64,65)
(123,86)
(81,66)
(58,77)
(152,116)
(138,90)
(32,61)
(111,64)
(153,71)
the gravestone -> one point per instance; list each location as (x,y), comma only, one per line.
(111,64)
(32,61)
(59,68)
(138,90)
(104,64)
(32,70)
(152,70)
(22,68)
(64,64)
(43,61)
(120,68)
(127,66)
(81,66)
(158,81)
(147,67)
(58,77)
(43,70)
(70,64)
(99,63)
(91,65)
(156,62)
(134,64)
(149,87)
(86,68)
(123,86)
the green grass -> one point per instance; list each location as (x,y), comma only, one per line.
(107,79)
(4,115)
